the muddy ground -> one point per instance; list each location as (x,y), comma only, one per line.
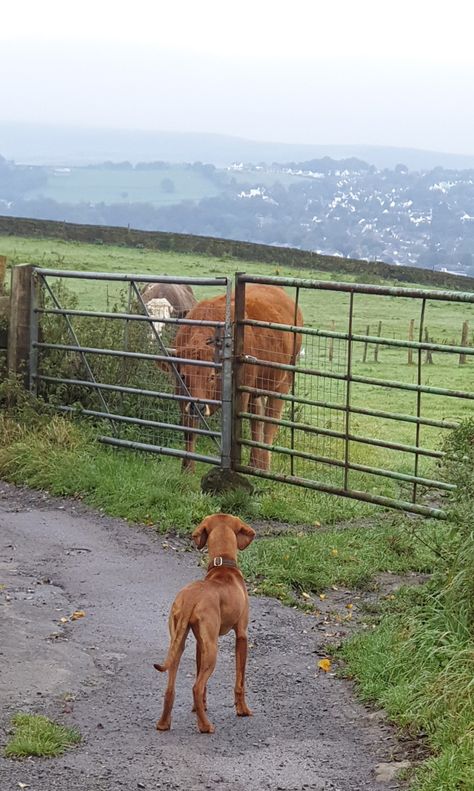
(96,673)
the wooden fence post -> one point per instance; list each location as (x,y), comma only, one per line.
(3,269)
(464,342)
(366,345)
(376,350)
(20,322)
(411,329)
(429,353)
(331,342)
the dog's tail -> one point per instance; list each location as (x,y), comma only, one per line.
(179,628)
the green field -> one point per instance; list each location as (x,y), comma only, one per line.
(325,310)
(127,185)
(417,663)
(90,185)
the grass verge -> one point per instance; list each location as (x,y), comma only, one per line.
(419,663)
(37,735)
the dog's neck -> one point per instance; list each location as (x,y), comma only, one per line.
(222,560)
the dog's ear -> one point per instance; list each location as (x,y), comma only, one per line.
(200,534)
(245,535)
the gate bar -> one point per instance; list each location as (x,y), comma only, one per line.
(134,420)
(128,443)
(354,494)
(389,291)
(124,389)
(425,421)
(119,353)
(359,338)
(368,380)
(126,278)
(398,476)
(379,443)
(128,316)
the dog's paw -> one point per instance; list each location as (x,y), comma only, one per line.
(163,725)
(244,711)
(207,727)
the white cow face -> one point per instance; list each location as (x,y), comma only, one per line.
(158,308)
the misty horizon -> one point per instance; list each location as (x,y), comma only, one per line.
(309,75)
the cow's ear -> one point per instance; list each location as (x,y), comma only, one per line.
(200,534)
(245,535)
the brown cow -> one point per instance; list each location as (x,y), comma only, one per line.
(262,303)
(179,295)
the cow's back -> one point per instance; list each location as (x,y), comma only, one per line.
(179,295)
(262,303)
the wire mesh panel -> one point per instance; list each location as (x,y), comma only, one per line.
(379,374)
(135,355)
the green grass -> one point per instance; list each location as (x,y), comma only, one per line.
(325,310)
(349,558)
(108,185)
(35,735)
(64,457)
(418,664)
(126,186)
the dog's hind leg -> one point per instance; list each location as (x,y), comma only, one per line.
(208,658)
(198,665)
(164,723)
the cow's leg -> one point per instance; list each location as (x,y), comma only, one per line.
(256,407)
(188,465)
(274,410)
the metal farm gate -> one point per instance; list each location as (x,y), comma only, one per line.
(381,374)
(366,410)
(115,356)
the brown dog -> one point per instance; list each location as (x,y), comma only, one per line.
(211,607)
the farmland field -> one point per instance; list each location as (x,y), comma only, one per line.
(161,187)
(387,316)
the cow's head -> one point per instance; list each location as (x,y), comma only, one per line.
(159,308)
(202,382)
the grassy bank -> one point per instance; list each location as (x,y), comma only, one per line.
(419,663)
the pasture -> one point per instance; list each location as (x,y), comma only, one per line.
(160,187)
(104,185)
(418,664)
(386,316)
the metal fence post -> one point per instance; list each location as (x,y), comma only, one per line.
(34,333)
(226,379)
(238,369)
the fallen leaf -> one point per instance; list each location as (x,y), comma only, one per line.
(23,785)
(316,524)
(63,620)
(322,596)
(349,606)
(305,595)
(334,552)
(77,614)
(324,664)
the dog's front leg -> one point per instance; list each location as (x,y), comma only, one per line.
(241,643)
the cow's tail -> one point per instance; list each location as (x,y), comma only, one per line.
(179,628)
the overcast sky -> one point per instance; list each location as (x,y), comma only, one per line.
(365,72)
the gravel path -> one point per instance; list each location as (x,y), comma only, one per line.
(96,673)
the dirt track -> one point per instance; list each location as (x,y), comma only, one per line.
(96,673)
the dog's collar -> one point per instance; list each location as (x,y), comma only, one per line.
(222,561)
